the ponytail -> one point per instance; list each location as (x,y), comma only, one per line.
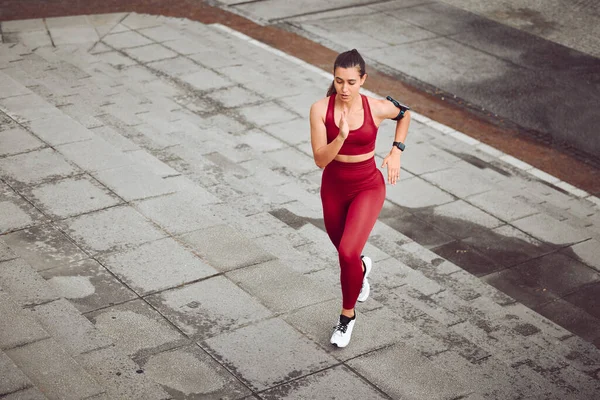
(347,59)
(331,90)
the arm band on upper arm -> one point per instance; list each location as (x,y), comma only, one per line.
(401,106)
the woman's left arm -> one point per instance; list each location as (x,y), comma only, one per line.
(387,110)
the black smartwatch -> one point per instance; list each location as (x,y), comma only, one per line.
(399,145)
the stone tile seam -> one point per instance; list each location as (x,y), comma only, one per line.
(444,129)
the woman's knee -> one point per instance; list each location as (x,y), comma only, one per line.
(348,254)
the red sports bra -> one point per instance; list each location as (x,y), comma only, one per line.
(359,141)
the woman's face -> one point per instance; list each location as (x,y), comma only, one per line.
(347,82)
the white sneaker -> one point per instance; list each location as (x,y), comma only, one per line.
(342,331)
(366,288)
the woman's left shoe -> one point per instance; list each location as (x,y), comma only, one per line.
(365,290)
(343,331)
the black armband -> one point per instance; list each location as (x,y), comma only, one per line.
(401,106)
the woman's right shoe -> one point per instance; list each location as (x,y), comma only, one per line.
(365,290)
(343,331)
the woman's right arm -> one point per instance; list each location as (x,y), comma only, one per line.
(324,153)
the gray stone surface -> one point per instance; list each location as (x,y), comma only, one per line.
(136,328)
(18,140)
(189,372)
(143,268)
(71,196)
(400,371)
(50,367)
(23,283)
(35,167)
(18,326)
(118,375)
(279,287)
(44,247)
(134,182)
(69,328)
(27,394)
(340,381)
(59,130)
(109,230)
(550,230)
(87,285)
(181,212)
(124,40)
(587,252)
(502,204)
(15,212)
(95,155)
(416,192)
(268,353)
(193,308)
(224,248)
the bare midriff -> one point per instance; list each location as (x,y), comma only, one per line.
(354,159)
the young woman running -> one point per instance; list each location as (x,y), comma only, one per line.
(343,131)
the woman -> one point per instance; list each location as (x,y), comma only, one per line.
(343,130)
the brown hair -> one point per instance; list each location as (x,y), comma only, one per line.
(347,59)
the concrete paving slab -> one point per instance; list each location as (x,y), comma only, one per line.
(193,310)
(36,167)
(137,329)
(16,213)
(277,353)
(44,247)
(124,40)
(502,204)
(142,269)
(149,53)
(18,327)
(11,87)
(110,230)
(235,96)
(424,157)
(459,219)
(31,39)
(69,328)
(189,372)
(27,394)
(119,375)
(341,381)
(23,283)
(50,367)
(543,279)
(13,379)
(71,196)
(548,229)
(276,9)
(292,132)
(175,67)
(588,253)
(59,130)
(266,114)
(507,246)
(134,182)
(409,379)
(74,35)
(416,193)
(181,212)
(204,79)
(29,107)
(161,33)
(279,287)
(224,248)
(461,180)
(87,285)
(139,21)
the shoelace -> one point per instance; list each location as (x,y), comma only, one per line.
(341,327)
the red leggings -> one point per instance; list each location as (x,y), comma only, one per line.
(352,196)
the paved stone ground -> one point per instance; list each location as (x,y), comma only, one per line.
(159,204)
